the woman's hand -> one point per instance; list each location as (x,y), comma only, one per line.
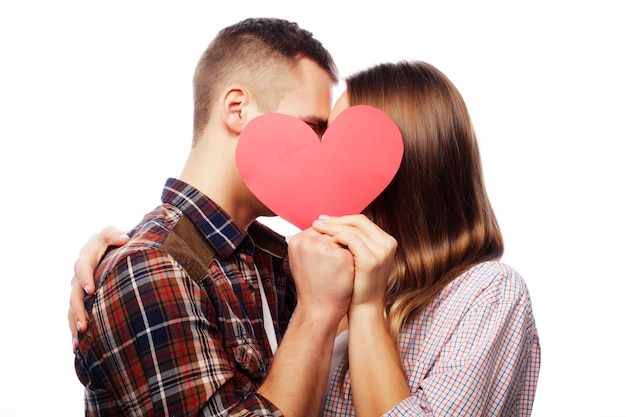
(83,279)
(376,370)
(374,253)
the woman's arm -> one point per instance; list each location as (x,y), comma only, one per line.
(377,376)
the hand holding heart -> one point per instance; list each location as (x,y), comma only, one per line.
(299,177)
(374,254)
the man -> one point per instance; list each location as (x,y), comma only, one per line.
(185,317)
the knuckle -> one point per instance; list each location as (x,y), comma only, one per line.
(108,230)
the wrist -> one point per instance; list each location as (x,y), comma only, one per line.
(320,319)
(368,311)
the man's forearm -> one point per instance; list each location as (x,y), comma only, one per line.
(297,379)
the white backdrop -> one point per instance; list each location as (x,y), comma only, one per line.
(95,114)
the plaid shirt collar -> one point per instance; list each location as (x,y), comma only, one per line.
(218,228)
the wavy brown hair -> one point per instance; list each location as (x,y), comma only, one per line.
(436,206)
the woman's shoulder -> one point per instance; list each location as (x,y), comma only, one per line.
(487,282)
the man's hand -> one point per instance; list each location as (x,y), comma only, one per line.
(324,274)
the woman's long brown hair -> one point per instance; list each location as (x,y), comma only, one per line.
(436,206)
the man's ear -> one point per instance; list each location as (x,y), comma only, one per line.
(235,108)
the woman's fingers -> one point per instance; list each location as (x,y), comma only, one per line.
(83,280)
(92,252)
(341,229)
(374,254)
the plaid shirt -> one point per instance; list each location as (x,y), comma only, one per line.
(161,343)
(473,351)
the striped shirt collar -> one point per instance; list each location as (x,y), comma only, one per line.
(217,226)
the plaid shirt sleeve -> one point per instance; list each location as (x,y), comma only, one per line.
(153,344)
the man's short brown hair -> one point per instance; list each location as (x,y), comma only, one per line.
(261,53)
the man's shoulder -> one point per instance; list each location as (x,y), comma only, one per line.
(146,237)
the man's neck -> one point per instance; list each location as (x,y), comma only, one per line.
(220,182)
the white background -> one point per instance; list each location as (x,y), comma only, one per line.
(95,114)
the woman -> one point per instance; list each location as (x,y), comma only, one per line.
(437,325)
(452,331)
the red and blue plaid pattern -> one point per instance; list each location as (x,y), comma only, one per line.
(160,343)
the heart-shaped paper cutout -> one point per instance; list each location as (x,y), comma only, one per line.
(299,177)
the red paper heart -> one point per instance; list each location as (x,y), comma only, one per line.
(299,177)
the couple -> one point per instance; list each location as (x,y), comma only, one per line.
(402,310)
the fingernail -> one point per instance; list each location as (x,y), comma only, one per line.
(321,220)
(79,325)
(87,288)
